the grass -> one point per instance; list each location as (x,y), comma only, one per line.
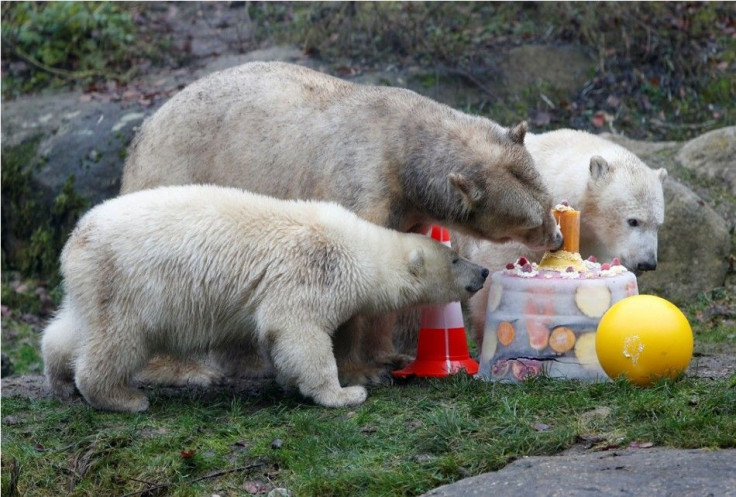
(405,440)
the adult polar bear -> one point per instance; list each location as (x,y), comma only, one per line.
(190,269)
(620,200)
(395,158)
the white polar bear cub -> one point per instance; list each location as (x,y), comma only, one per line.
(191,269)
(620,199)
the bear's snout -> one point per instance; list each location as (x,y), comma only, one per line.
(647,266)
(558,242)
(478,282)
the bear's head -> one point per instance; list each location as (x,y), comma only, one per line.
(622,211)
(505,198)
(439,274)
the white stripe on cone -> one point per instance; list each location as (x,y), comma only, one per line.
(443,316)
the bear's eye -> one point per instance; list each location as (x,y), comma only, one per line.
(633,222)
(455,259)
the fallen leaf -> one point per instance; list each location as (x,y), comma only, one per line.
(130,95)
(541,427)
(599,119)
(276,444)
(255,487)
(186,454)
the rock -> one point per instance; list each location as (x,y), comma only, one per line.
(622,472)
(712,155)
(84,139)
(694,245)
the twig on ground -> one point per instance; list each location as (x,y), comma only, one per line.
(157,486)
(53,70)
(662,124)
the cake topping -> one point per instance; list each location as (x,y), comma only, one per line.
(568,219)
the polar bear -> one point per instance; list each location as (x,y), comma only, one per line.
(186,270)
(393,157)
(620,199)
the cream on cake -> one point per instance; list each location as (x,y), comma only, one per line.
(542,318)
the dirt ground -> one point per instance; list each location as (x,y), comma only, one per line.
(713,363)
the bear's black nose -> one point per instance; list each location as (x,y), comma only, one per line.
(559,242)
(646,266)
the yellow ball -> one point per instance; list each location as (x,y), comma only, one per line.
(644,338)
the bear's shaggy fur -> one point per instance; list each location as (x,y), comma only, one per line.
(191,269)
(393,157)
(620,199)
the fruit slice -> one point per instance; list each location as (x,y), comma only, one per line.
(490,343)
(523,369)
(494,296)
(593,300)
(585,350)
(500,369)
(538,334)
(562,339)
(506,333)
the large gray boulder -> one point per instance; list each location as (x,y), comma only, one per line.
(694,244)
(712,156)
(657,471)
(84,139)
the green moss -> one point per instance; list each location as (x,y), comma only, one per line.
(33,233)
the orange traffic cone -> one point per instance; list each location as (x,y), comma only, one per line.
(443,346)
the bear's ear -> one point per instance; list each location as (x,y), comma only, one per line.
(467,188)
(416,263)
(661,173)
(598,167)
(518,132)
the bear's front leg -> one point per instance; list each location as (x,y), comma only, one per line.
(365,352)
(104,368)
(305,357)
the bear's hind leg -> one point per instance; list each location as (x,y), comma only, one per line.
(177,372)
(105,367)
(306,358)
(59,345)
